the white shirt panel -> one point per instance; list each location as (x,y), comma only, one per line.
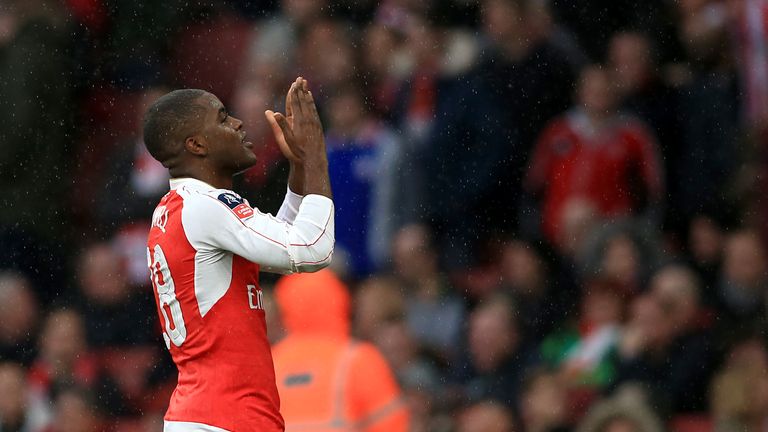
(174,426)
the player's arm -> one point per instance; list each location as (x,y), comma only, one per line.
(225,222)
(299,134)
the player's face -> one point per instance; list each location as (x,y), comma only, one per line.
(225,138)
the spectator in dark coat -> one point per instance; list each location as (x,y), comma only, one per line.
(664,346)
(486,123)
(632,63)
(497,361)
(743,284)
(113,313)
(36,138)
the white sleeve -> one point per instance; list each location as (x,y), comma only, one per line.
(276,245)
(290,207)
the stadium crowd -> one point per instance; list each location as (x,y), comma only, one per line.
(549,213)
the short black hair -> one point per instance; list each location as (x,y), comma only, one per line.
(170,120)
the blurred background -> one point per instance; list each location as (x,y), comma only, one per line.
(549,212)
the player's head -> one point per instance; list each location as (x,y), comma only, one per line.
(192,127)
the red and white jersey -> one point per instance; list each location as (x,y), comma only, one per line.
(205,249)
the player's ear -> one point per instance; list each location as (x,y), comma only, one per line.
(196,145)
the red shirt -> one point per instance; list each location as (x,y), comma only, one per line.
(205,249)
(572,160)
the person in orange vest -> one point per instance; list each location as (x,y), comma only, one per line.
(328,381)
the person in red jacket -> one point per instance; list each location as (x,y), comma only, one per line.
(593,154)
(328,381)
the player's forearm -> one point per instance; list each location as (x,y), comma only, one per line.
(296,176)
(311,238)
(316,179)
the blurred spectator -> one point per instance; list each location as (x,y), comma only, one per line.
(114,314)
(545,404)
(624,251)
(739,392)
(485,126)
(632,63)
(702,30)
(678,288)
(434,313)
(625,412)
(748,22)
(664,346)
(19,410)
(325,378)
(418,378)
(709,121)
(327,55)
(524,70)
(705,247)
(541,289)
(37,89)
(361,155)
(135,181)
(583,351)
(274,48)
(593,153)
(378,301)
(63,357)
(486,416)
(432,56)
(385,56)
(75,412)
(744,280)
(19,316)
(496,361)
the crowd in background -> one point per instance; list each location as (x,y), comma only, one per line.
(550,214)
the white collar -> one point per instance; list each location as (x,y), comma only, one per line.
(189,181)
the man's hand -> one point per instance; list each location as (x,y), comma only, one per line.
(274,119)
(299,135)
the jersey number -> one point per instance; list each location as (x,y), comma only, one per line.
(174,329)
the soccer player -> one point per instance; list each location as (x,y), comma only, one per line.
(207,245)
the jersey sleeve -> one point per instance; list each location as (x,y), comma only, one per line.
(226,222)
(290,207)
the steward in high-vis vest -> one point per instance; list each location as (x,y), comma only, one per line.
(328,381)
